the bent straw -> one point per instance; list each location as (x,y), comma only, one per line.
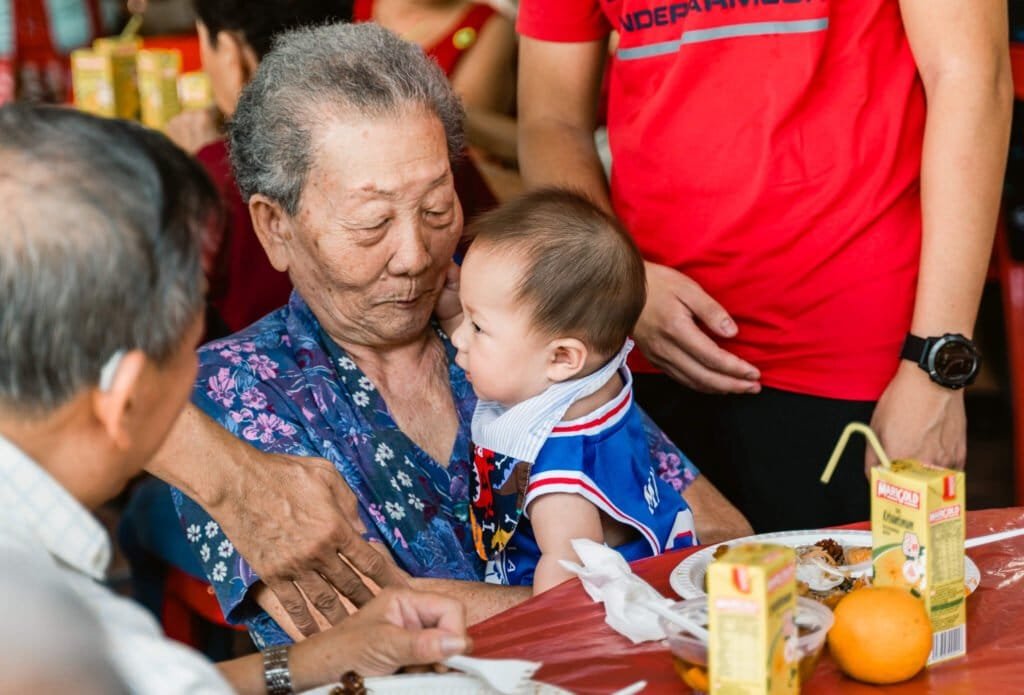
(131,28)
(841,446)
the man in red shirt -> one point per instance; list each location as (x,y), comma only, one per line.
(801,211)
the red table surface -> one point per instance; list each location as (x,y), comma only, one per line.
(566,631)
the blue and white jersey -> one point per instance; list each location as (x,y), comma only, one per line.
(604,457)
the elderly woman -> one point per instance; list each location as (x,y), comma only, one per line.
(342,144)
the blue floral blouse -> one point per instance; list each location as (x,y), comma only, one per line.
(283,386)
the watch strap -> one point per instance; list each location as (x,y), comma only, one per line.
(276,675)
(914,348)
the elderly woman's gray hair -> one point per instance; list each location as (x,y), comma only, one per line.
(356,69)
(99,249)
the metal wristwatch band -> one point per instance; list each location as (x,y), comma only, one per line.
(276,675)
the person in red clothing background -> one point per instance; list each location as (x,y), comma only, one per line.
(809,182)
(243,285)
(475,46)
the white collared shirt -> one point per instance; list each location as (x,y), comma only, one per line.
(42,522)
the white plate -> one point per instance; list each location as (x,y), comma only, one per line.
(437,684)
(687,579)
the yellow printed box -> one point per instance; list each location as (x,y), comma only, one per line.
(122,54)
(752,621)
(92,78)
(917,530)
(158,86)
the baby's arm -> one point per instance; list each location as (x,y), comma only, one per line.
(557,519)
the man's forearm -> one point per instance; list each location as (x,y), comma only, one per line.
(199,457)
(557,154)
(481,600)
(962,172)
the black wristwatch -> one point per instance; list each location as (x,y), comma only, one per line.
(951,360)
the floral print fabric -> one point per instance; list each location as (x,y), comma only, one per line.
(283,386)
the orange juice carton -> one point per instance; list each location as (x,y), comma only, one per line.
(195,91)
(92,78)
(752,648)
(158,85)
(917,537)
(122,54)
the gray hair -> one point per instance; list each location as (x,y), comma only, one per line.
(343,68)
(99,249)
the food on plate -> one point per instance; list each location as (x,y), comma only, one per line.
(818,583)
(815,581)
(881,635)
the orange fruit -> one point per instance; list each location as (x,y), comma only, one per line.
(881,635)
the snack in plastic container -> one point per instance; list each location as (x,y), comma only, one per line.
(690,654)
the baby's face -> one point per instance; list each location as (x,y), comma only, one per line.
(504,358)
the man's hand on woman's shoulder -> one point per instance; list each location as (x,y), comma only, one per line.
(297,524)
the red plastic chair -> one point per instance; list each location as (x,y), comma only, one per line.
(186,601)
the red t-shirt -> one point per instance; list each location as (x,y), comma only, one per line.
(771,150)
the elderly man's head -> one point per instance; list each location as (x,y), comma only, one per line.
(99,275)
(342,143)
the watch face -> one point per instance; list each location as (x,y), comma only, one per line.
(955,361)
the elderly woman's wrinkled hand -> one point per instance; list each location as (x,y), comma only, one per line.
(449,309)
(305,540)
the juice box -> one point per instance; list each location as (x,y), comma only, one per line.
(751,620)
(158,85)
(195,91)
(122,53)
(92,78)
(917,534)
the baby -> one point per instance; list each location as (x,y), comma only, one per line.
(550,290)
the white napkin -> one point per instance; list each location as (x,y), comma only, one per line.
(608,579)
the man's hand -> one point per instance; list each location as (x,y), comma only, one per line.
(669,336)
(195,129)
(294,520)
(406,628)
(918,419)
(395,630)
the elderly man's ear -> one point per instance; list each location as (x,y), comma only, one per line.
(568,357)
(274,227)
(115,402)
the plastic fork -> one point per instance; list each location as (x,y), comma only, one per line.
(673,617)
(507,676)
(844,571)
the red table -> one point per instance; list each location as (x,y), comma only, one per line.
(566,631)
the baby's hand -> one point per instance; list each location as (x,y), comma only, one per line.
(449,309)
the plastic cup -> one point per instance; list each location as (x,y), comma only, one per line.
(690,654)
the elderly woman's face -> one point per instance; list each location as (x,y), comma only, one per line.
(377,224)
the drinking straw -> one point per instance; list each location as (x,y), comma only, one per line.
(131,28)
(841,446)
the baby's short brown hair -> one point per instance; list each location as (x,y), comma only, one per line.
(583,277)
